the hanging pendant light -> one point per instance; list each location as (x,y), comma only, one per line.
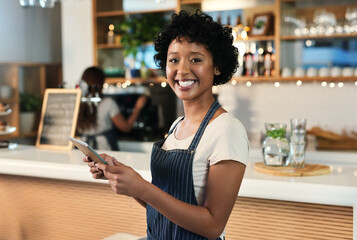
(24,3)
(42,3)
(47,3)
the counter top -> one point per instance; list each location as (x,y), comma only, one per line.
(337,188)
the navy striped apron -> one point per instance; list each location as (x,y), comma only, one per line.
(171,171)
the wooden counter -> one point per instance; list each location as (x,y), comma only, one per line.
(51,195)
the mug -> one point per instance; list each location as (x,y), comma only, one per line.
(299,72)
(335,71)
(311,72)
(347,72)
(286,72)
(324,72)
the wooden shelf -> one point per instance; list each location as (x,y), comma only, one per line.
(352,35)
(115,80)
(255,79)
(191,1)
(295,79)
(320,79)
(260,38)
(109,46)
(110,13)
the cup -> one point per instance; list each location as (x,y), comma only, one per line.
(335,72)
(347,72)
(324,72)
(298,142)
(286,72)
(299,72)
(297,154)
(311,72)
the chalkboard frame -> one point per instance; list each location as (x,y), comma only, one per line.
(48,92)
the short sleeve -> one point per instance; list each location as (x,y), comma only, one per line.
(110,107)
(230,142)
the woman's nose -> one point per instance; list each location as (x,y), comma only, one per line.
(183,68)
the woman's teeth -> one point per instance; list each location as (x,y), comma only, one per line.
(185,83)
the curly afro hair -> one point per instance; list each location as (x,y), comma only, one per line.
(200,28)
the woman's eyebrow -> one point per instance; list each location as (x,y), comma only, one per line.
(198,53)
(171,53)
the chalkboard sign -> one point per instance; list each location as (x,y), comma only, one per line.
(58,118)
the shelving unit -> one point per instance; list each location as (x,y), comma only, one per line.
(107,10)
(31,78)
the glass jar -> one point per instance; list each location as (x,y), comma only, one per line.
(275,145)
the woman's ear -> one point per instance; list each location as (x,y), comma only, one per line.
(217,72)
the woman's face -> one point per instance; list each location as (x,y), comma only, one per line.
(190,70)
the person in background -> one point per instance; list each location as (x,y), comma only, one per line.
(198,168)
(97,120)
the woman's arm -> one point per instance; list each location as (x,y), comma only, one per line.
(223,183)
(125,125)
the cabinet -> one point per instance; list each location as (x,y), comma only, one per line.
(320,37)
(291,49)
(30,78)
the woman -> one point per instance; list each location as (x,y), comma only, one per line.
(96,122)
(198,168)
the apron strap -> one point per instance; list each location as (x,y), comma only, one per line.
(173,128)
(214,107)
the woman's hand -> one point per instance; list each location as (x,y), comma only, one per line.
(123,179)
(94,170)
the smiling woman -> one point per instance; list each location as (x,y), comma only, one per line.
(198,168)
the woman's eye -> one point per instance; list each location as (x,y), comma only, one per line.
(194,60)
(173,60)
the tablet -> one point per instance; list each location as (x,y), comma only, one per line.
(88,150)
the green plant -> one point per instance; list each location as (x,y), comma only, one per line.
(30,102)
(277,133)
(136,30)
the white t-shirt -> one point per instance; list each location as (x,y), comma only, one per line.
(224,138)
(106,109)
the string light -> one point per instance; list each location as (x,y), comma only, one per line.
(299,83)
(163,84)
(340,84)
(105,85)
(324,84)
(234,82)
(118,84)
(276,84)
(332,85)
(248,84)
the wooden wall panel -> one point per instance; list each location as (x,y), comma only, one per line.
(45,209)
(36,209)
(254,218)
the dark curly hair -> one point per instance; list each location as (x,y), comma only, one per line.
(200,28)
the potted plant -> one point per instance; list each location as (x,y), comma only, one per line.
(138,30)
(30,104)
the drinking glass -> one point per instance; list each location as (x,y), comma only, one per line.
(298,142)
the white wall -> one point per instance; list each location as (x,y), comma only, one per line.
(29,34)
(77,39)
(331,108)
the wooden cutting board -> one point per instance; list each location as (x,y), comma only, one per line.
(308,170)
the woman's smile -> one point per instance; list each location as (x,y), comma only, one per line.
(185,84)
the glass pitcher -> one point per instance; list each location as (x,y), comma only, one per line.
(275,145)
